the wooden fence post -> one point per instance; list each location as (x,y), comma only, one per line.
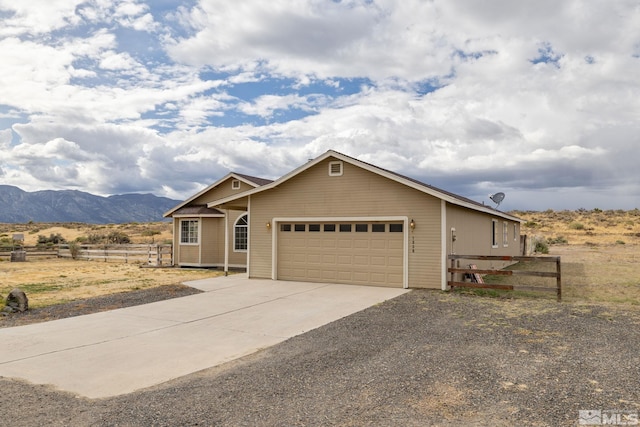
(558,280)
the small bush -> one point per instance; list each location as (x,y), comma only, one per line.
(74,248)
(53,239)
(118,237)
(559,240)
(540,246)
(576,226)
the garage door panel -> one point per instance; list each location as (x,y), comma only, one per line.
(314,259)
(329,259)
(394,278)
(361,244)
(345,260)
(394,261)
(361,260)
(329,275)
(314,274)
(361,276)
(345,244)
(379,244)
(329,243)
(379,260)
(378,277)
(364,258)
(396,244)
(314,243)
(344,276)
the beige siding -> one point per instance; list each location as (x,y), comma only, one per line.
(189,254)
(474,235)
(176,241)
(358,194)
(210,235)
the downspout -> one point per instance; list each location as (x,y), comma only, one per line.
(444,236)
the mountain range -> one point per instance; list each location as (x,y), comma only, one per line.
(19,206)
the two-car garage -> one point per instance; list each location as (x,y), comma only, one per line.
(357,252)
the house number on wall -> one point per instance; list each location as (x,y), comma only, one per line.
(413,244)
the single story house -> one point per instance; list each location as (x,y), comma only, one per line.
(337,219)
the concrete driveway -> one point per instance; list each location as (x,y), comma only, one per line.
(116,352)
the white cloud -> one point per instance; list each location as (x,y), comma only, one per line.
(530,95)
(37,16)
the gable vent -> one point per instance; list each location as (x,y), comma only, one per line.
(335,168)
(235,184)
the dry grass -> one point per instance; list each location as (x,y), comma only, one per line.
(153,232)
(582,227)
(599,256)
(49,281)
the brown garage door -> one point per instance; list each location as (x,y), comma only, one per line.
(362,253)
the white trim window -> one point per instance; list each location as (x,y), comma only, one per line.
(189,231)
(241,234)
(235,184)
(505,234)
(494,233)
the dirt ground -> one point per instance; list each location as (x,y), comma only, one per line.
(426,358)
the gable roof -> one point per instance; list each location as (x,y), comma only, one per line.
(247,179)
(197,210)
(409,182)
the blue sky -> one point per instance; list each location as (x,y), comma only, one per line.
(540,100)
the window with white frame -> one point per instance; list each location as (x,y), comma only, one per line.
(494,233)
(189,231)
(505,234)
(241,234)
(235,184)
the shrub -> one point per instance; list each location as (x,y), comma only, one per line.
(540,246)
(94,238)
(52,239)
(559,240)
(576,226)
(118,237)
(74,248)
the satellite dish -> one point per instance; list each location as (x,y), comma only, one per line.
(497,198)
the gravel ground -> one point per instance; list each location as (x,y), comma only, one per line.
(423,359)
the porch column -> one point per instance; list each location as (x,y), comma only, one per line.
(226,241)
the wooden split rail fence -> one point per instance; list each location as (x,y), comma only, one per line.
(151,254)
(453,270)
(30,251)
